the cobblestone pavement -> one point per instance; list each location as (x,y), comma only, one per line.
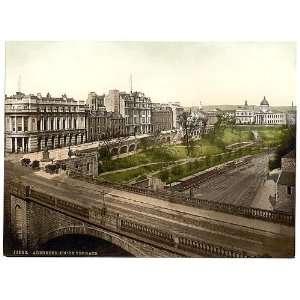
(239,186)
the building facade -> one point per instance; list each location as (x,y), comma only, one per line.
(137,112)
(103,125)
(94,101)
(263,116)
(177,110)
(161,117)
(285,185)
(33,122)
(245,114)
(114,103)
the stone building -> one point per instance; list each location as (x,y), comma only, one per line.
(137,112)
(177,110)
(161,117)
(285,185)
(33,122)
(263,116)
(85,164)
(94,101)
(102,124)
(245,114)
(114,103)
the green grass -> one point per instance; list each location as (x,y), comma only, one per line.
(129,175)
(272,136)
(180,171)
(212,144)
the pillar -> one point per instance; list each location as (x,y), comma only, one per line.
(23,142)
(16,144)
(22,126)
(29,124)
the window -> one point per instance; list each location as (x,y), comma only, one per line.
(289,190)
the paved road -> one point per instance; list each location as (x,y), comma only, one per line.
(238,186)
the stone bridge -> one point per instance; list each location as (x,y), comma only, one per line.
(143,225)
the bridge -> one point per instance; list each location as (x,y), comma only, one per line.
(144,223)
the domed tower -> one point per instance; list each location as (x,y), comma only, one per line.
(264,105)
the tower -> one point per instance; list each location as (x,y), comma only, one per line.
(130,82)
(19,84)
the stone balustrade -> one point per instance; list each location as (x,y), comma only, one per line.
(176,197)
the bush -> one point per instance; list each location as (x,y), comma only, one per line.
(52,168)
(25,162)
(35,164)
(164,175)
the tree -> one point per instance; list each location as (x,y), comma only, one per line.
(189,123)
(287,144)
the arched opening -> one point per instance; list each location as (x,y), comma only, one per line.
(84,244)
(123,149)
(114,151)
(168,139)
(131,148)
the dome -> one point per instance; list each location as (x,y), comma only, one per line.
(264,101)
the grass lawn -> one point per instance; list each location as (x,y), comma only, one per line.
(272,135)
(209,145)
(139,174)
(190,168)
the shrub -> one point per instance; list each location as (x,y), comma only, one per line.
(35,164)
(52,168)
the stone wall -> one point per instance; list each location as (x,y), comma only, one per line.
(85,164)
(288,164)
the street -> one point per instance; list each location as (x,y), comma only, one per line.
(238,186)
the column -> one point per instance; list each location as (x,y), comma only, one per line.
(16,144)
(29,124)
(22,125)
(11,124)
(23,144)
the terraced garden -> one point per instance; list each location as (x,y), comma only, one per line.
(174,163)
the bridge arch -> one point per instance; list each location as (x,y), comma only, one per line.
(123,149)
(94,232)
(115,151)
(131,148)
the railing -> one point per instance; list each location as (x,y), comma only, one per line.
(176,197)
(184,243)
(152,233)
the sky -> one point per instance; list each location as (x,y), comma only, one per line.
(215,73)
